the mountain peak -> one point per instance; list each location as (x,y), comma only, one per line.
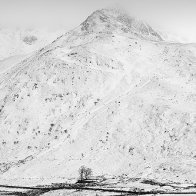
(116,20)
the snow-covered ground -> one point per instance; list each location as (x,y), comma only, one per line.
(20,41)
(110,95)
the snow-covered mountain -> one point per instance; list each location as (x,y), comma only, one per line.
(20,40)
(111,95)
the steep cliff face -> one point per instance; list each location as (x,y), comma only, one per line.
(109,94)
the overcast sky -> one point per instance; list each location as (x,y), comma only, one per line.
(175,16)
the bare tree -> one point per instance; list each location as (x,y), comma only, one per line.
(84,173)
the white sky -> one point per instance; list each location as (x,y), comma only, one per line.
(175,16)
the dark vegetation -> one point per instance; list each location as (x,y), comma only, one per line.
(6,166)
(97,184)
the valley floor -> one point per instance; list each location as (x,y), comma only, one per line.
(106,187)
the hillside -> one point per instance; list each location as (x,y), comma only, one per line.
(22,40)
(111,95)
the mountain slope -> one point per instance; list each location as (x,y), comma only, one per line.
(21,41)
(110,95)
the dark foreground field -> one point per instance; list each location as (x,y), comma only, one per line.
(96,188)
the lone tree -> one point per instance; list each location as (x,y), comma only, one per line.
(84,173)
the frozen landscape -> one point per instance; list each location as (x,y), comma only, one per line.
(111,95)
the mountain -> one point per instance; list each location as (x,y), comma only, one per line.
(20,40)
(110,94)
